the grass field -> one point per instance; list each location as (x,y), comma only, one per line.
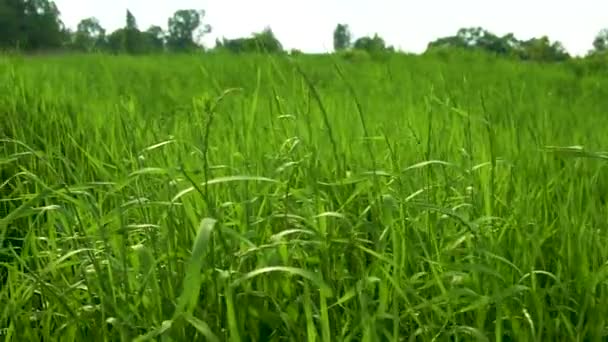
(256,198)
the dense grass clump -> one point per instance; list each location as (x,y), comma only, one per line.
(259,198)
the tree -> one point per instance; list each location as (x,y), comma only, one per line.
(133,39)
(67,36)
(43,26)
(472,36)
(182,28)
(237,45)
(264,41)
(12,19)
(342,37)
(267,42)
(450,42)
(116,41)
(30,25)
(131,21)
(371,44)
(90,35)
(477,38)
(542,49)
(600,43)
(155,38)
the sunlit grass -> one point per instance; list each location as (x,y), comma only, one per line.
(257,198)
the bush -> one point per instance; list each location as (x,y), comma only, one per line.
(355,55)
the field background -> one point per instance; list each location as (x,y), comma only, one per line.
(317,198)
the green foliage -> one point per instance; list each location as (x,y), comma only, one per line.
(295,52)
(262,42)
(90,35)
(30,25)
(476,37)
(183,27)
(133,41)
(130,40)
(35,25)
(267,42)
(133,38)
(600,43)
(221,197)
(154,38)
(131,21)
(372,45)
(542,49)
(116,41)
(537,49)
(342,37)
(355,55)
(595,64)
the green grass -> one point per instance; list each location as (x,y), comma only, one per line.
(256,198)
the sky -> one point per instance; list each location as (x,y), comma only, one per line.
(407,24)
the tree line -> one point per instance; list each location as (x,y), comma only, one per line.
(35,25)
(477,38)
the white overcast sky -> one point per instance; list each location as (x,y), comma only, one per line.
(407,24)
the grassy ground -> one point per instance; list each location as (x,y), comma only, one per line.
(231,198)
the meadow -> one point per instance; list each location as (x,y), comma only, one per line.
(264,198)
